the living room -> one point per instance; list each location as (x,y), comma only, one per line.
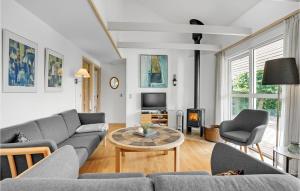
(156,93)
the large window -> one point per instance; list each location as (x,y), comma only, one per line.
(247,90)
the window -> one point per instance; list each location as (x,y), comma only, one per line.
(240,83)
(247,90)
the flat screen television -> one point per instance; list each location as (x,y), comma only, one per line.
(153,101)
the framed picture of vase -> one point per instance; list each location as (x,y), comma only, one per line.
(19,63)
(154,71)
(54,62)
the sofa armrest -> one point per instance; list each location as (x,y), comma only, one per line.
(90,118)
(36,143)
(110,175)
(225,158)
(256,134)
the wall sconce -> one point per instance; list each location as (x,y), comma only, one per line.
(81,73)
(174,80)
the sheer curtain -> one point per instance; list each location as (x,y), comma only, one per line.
(290,122)
(222,90)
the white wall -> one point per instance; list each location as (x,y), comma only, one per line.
(21,107)
(113,101)
(180,97)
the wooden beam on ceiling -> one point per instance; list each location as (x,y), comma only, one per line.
(178,28)
(176,46)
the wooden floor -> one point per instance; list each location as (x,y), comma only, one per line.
(194,156)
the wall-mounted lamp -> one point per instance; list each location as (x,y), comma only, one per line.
(81,73)
(174,80)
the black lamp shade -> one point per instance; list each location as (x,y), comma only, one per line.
(281,71)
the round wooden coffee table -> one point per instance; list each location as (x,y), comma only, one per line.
(166,139)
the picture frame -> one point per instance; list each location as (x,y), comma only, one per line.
(153,71)
(54,63)
(20,63)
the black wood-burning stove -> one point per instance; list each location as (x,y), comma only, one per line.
(196,115)
(195,119)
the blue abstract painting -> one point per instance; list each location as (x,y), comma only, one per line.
(21,68)
(154,71)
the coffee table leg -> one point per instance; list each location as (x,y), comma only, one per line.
(176,159)
(118,160)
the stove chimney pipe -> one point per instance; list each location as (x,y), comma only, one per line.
(197,38)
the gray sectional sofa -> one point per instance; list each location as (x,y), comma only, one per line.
(54,132)
(59,172)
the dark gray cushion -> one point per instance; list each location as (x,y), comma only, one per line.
(230,183)
(63,163)
(29,129)
(90,118)
(110,175)
(82,154)
(54,128)
(123,184)
(72,120)
(89,142)
(241,136)
(225,157)
(178,173)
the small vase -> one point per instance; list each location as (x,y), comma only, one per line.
(145,131)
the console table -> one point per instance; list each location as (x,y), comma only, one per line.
(287,154)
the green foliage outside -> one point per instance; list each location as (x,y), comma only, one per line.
(241,86)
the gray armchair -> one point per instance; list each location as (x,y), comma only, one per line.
(247,128)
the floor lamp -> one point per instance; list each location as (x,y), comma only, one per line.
(282,71)
(81,73)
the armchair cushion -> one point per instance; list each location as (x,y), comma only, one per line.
(240,136)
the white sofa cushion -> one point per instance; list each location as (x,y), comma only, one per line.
(92,128)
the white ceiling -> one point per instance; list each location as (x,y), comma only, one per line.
(77,22)
(210,12)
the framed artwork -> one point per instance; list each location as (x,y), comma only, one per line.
(154,71)
(19,63)
(53,71)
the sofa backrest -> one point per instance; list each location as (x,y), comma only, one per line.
(29,129)
(230,183)
(137,184)
(61,164)
(72,120)
(54,128)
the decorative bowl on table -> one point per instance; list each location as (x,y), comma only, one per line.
(145,130)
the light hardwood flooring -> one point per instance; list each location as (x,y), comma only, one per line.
(195,155)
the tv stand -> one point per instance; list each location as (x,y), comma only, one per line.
(155,118)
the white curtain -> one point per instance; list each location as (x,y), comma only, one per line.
(290,122)
(222,90)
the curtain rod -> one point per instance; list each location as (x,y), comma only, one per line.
(277,22)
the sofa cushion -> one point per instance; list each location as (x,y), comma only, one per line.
(62,163)
(220,183)
(89,142)
(72,120)
(96,127)
(241,136)
(54,128)
(29,129)
(82,154)
(122,184)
